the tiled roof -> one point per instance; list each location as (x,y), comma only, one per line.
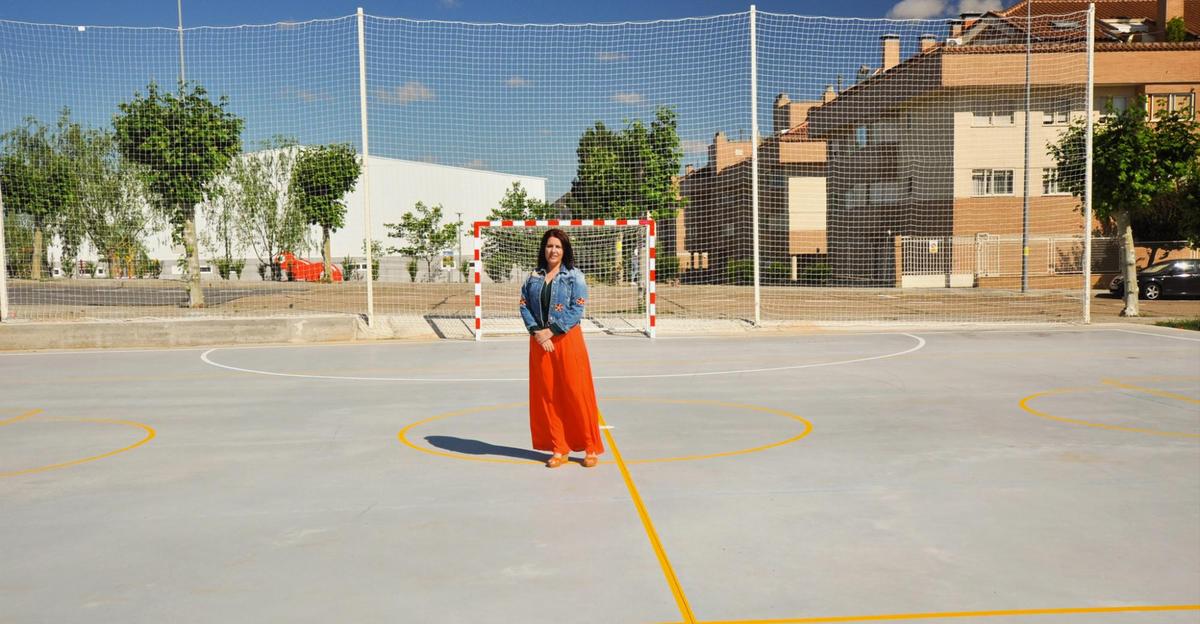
(1101,46)
(1109,9)
(795,134)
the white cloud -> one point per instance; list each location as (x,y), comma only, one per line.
(305,95)
(694,147)
(517,82)
(408,93)
(605,57)
(979,6)
(918,9)
(628,98)
(449,4)
(929,9)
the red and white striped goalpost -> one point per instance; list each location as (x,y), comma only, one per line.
(651,297)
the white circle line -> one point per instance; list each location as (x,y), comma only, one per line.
(1158,335)
(920,344)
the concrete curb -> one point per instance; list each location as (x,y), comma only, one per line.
(207,332)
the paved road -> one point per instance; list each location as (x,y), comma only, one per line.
(20,294)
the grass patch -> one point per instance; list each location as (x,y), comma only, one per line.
(1192,324)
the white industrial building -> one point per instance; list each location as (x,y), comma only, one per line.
(396,186)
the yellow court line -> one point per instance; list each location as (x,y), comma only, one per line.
(149,436)
(676,590)
(1024,404)
(20,417)
(961,614)
(741,406)
(403,434)
(1155,392)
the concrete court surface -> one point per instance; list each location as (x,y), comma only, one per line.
(1046,475)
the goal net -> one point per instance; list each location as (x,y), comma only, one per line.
(616,257)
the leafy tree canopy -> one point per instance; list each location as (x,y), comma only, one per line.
(625,174)
(182,141)
(322,177)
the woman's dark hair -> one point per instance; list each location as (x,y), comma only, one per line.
(568,258)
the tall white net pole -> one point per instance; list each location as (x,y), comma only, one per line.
(366,171)
(1028,139)
(3,265)
(179,10)
(1087,185)
(754,164)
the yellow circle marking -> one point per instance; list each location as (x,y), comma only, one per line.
(403,434)
(150,433)
(1110,383)
(20,417)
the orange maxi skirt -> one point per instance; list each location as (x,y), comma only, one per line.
(563,415)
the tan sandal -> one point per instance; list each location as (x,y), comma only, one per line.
(557,460)
(590,461)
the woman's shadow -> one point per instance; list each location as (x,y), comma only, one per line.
(476,447)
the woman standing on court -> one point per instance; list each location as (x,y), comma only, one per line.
(563,415)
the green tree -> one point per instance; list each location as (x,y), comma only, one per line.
(38,180)
(1140,168)
(424,234)
(504,248)
(114,211)
(322,177)
(18,244)
(627,174)
(91,157)
(376,253)
(256,187)
(181,142)
(1176,29)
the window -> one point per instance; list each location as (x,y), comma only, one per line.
(1182,102)
(884,132)
(1160,103)
(991,182)
(860,136)
(886,192)
(1051,184)
(992,118)
(1057,117)
(1114,105)
(857,197)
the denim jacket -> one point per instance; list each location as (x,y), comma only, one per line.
(568,296)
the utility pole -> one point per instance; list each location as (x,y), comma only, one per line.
(182,75)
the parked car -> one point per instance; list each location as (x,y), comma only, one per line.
(1162,279)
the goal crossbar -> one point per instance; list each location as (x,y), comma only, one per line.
(651,296)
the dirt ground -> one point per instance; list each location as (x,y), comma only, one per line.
(139,299)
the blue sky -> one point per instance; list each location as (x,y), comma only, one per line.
(231,12)
(504,98)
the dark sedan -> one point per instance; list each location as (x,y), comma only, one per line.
(1163,279)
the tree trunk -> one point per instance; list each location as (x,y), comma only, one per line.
(328,276)
(35,267)
(195,293)
(1128,263)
